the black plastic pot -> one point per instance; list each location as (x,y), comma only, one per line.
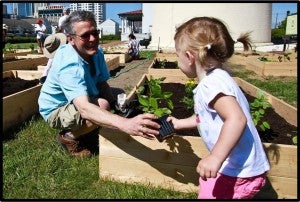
(166,130)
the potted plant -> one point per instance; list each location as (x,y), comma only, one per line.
(153,100)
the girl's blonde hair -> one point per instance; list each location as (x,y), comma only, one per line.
(210,38)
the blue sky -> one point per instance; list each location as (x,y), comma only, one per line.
(279,11)
(113,9)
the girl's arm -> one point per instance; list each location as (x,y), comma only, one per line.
(183,123)
(234,124)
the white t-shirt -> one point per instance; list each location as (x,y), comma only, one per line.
(134,45)
(61,20)
(39,30)
(248,158)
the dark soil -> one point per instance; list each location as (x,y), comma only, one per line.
(14,85)
(281,131)
(12,59)
(164,64)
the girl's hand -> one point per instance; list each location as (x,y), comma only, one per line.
(175,121)
(186,123)
(208,167)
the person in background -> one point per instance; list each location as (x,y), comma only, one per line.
(133,47)
(51,44)
(66,12)
(4,33)
(236,165)
(76,98)
(40,30)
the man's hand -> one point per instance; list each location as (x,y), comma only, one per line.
(142,125)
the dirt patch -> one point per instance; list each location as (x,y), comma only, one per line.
(281,131)
(14,85)
(164,64)
(129,74)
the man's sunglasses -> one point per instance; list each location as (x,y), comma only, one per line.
(86,37)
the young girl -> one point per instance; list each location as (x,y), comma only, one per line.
(237,164)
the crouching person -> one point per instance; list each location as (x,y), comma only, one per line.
(76,97)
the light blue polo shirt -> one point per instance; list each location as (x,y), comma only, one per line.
(69,77)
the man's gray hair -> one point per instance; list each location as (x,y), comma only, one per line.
(77,16)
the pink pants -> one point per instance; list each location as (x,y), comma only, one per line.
(227,187)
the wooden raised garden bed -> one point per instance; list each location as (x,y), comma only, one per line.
(21,105)
(28,56)
(172,163)
(25,64)
(271,67)
(165,68)
(112,61)
(12,56)
(167,55)
(123,57)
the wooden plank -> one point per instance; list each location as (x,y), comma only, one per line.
(12,55)
(8,74)
(288,112)
(285,188)
(271,68)
(142,172)
(28,74)
(20,106)
(41,67)
(29,56)
(112,61)
(28,64)
(23,74)
(175,163)
(123,57)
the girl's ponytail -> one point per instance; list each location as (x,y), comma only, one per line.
(245,40)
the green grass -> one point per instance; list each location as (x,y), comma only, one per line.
(35,167)
(284,88)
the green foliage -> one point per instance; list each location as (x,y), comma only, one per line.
(148,54)
(150,101)
(9,48)
(285,57)
(294,139)
(19,39)
(165,63)
(279,32)
(258,107)
(110,37)
(188,98)
(264,59)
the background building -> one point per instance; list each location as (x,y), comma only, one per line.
(23,9)
(109,26)
(99,9)
(51,12)
(161,19)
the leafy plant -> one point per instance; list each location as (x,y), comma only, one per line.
(285,56)
(32,47)
(258,107)
(188,98)
(151,101)
(294,139)
(263,59)
(165,64)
